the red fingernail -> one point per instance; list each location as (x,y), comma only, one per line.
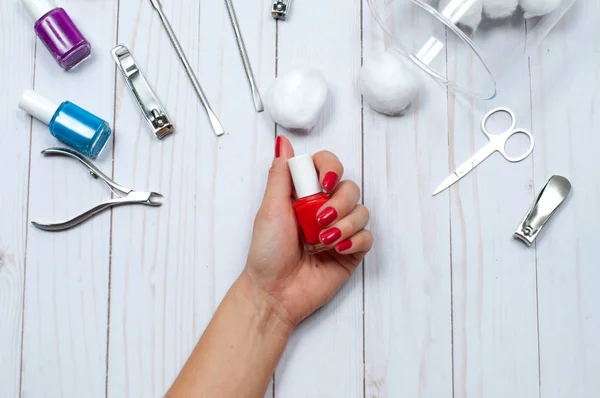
(330,180)
(278,146)
(330,236)
(344,245)
(327,216)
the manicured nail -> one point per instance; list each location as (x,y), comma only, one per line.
(327,216)
(330,180)
(344,245)
(330,236)
(278,146)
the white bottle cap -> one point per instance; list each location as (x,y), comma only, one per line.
(38,8)
(304,175)
(38,106)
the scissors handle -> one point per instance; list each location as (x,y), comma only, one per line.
(488,116)
(498,141)
(507,136)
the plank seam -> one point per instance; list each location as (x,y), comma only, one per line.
(276,131)
(535,258)
(110,239)
(27,231)
(450,236)
(362,187)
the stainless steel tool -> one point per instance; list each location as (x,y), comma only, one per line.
(497,144)
(125,196)
(258,105)
(280,9)
(548,201)
(153,111)
(216,124)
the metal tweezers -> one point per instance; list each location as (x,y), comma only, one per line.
(125,196)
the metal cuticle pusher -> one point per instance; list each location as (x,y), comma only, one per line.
(216,124)
(258,105)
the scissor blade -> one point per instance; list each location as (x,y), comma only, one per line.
(451,179)
(466,167)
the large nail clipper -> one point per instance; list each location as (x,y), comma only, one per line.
(216,124)
(153,111)
(258,105)
(548,201)
(125,196)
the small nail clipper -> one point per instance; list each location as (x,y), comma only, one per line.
(125,196)
(280,9)
(152,109)
(548,201)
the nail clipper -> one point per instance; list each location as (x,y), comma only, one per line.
(280,9)
(125,196)
(548,201)
(152,109)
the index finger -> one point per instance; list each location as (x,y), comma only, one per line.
(330,169)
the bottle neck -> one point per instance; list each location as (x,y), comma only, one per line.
(38,8)
(313,196)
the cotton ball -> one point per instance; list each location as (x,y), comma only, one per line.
(296,98)
(534,8)
(387,84)
(471,11)
(498,9)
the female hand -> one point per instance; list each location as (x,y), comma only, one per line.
(280,286)
(277,263)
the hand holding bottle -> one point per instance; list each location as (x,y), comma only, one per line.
(282,283)
(278,262)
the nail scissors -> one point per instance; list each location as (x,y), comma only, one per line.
(497,144)
(125,196)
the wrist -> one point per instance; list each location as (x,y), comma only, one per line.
(267,310)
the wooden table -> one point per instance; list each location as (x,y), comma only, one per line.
(447,303)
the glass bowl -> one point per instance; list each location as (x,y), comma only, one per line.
(491,34)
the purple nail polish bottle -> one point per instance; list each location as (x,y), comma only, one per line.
(57,31)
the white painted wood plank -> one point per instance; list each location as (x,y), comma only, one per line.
(407,275)
(16,64)
(172,265)
(566,113)
(493,276)
(66,307)
(324,357)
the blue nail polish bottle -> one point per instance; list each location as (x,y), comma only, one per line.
(69,123)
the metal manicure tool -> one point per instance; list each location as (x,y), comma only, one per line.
(258,105)
(497,144)
(281,9)
(548,201)
(125,196)
(152,109)
(216,124)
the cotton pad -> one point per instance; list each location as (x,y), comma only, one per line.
(388,85)
(534,8)
(498,9)
(471,17)
(296,98)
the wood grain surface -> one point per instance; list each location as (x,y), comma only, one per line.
(446,305)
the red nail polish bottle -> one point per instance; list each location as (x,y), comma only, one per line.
(310,199)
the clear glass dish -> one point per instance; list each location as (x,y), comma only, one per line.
(491,34)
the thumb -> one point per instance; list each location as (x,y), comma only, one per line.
(279,185)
